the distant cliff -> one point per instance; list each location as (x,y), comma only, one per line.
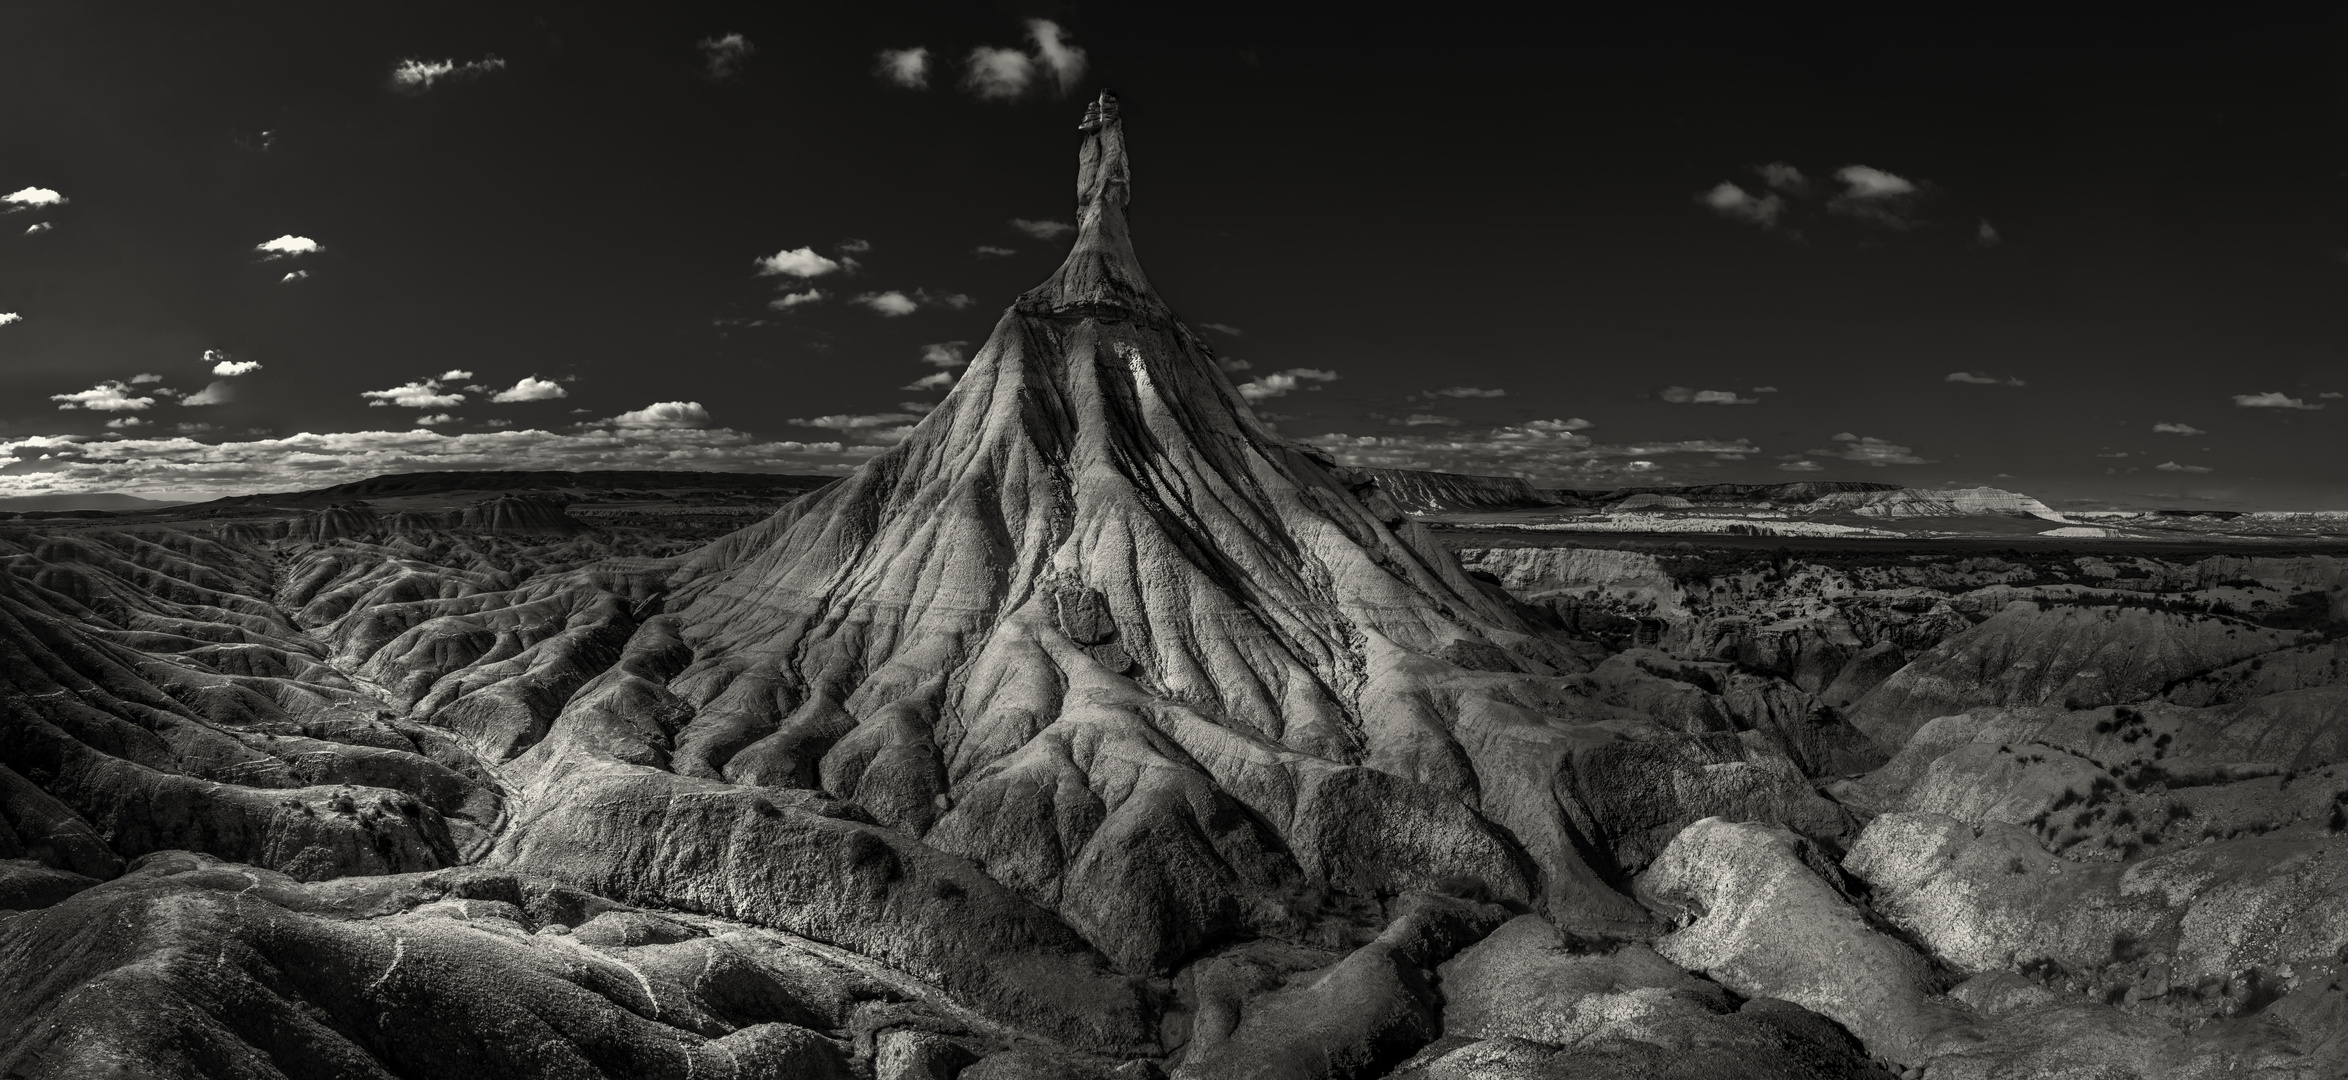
(1456,492)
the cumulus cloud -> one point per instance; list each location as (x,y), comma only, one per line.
(2272,399)
(1801,465)
(1731,201)
(420,394)
(125,422)
(1978,378)
(936,381)
(145,377)
(997,74)
(2166,428)
(1232,363)
(954,300)
(787,301)
(288,246)
(1870,450)
(1043,230)
(456,374)
(2171,466)
(33,198)
(216,393)
(1876,197)
(990,251)
(110,396)
(178,462)
(7,317)
(800,263)
(724,55)
(292,276)
(945,354)
(1056,54)
(38,227)
(1986,235)
(417,76)
(854,246)
(2330,394)
(908,68)
(1468,392)
(1221,328)
(893,304)
(1426,420)
(1681,395)
(435,419)
(531,388)
(1279,383)
(662,415)
(855,422)
(222,365)
(1783,177)
(1765,390)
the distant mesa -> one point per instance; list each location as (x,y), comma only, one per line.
(95,500)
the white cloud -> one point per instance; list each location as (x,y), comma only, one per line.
(1783,177)
(29,198)
(38,227)
(945,354)
(7,317)
(419,75)
(291,276)
(288,246)
(891,303)
(1862,182)
(193,429)
(435,418)
(1426,420)
(954,300)
(1981,379)
(1870,450)
(1986,235)
(420,394)
(455,375)
(853,246)
(1681,395)
(664,415)
(990,251)
(724,55)
(125,422)
(2171,466)
(1542,448)
(499,422)
(2272,399)
(531,388)
(1233,364)
(2331,394)
(1876,197)
(908,68)
(787,301)
(1052,49)
(109,396)
(179,464)
(222,365)
(1468,392)
(1223,329)
(997,74)
(795,262)
(1801,465)
(937,381)
(1043,230)
(145,377)
(2167,428)
(215,393)
(1731,201)
(1279,383)
(855,421)
(1765,390)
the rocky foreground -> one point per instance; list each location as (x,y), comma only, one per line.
(1099,731)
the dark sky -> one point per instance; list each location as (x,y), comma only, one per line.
(2112,221)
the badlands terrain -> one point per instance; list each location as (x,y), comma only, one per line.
(1097,730)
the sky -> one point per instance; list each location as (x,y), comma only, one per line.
(2100,258)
